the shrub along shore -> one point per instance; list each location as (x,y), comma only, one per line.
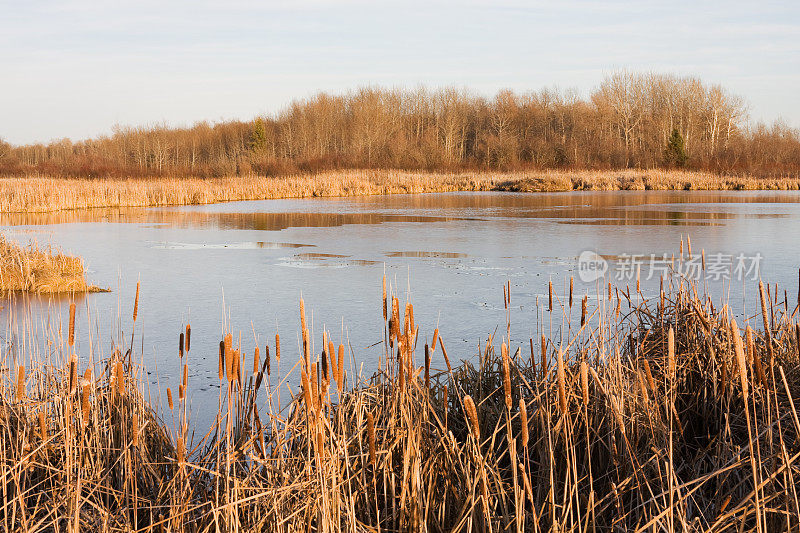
(660,414)
(42,194)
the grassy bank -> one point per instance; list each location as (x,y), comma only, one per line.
(40,270)
(38,194)
(659,415)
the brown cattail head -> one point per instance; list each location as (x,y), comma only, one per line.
(20,383)
(169,398)
(73,374)
(277,348)
(689,246)
(371,437)
(181,392)
(741,359)
(135,430)
(136,303)
(385,311)
(550,296)
(42,424)
(188,339)
(562,390)
(185,376)
(583,311)
(72,324)
(671,364)
(703,257)
(585,382)
(427,368)
(649,375)
(307,391)
(325,375)
(332,357)
(340,374)
(444,354)
(435,338)
(267,359)
(314,387)
(221,367)
(119,377)
(506,376)
(180,448)
(256,360)
(764,315)
(230,361)
(302,314)
(85,408)
(472,417)
(180,345)
(523,420)
(543,363)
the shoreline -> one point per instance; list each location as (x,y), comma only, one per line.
(44,194)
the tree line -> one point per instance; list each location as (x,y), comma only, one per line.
(629,121)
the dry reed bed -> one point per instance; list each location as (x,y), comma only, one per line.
(659,415)
(40,270)
(37,194)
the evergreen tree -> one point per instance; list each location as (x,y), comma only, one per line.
(675,153)
(258,139)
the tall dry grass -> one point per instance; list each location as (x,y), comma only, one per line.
(39,194)
(40,270)
(701,444)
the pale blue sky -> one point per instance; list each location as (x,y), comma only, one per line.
(76,68)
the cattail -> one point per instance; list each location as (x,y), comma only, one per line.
(181,451)
(221,367)
(619,305)
(230,358)
(764,307)
(681,248)
(135,430)
(180,345)
(638,277)
(543,363)
(435,338)
(508,282)
(256,360)
(340,364)
(583,311)
(306,391)
(325,376)
(703,256)
(740,357)
(267,359)
(505,297)
(472,417)
(302,314)
(20,383)
(506,376)
(689,245)
(751,345)
(237,367)
(562,391)
(642,386)
(671,365)
(185,376)
(314,387)
(523,420)
(120,378)
(650,381)
(332,357)
(427,368)
(550,297)
(371,437)
(444,353)
(72,324)
(384,299)
(169,398)
(571,284)
(42,424)
(533,357)
(306,348)
(136,303)
(181,392)
(85,410)
(73,374)
(277,348)
(585,382)
(188,338)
